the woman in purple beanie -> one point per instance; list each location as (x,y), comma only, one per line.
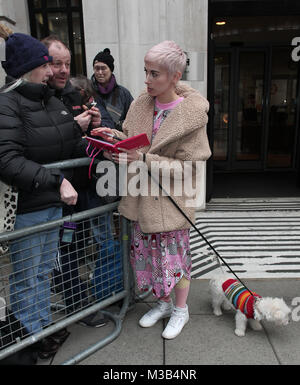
(35,129)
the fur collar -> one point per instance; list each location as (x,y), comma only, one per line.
(186,117)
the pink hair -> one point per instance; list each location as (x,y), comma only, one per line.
(168,55)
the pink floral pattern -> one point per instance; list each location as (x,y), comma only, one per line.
(160,260)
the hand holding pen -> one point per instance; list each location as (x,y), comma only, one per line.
(126,156)
(106,133)
(113,136)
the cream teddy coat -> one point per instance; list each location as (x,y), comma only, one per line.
(182,137)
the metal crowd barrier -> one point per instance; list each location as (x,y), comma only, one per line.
(91,272)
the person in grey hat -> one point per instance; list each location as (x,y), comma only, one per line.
(116,97)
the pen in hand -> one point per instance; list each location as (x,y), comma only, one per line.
(112,136)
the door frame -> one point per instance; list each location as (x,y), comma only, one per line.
(261,165)
(223,8)
(234,54)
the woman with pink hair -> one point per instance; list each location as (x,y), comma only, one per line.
(174,116)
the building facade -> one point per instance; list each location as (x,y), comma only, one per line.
(243,56)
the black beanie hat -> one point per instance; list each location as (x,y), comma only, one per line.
(23,54)
(105,57)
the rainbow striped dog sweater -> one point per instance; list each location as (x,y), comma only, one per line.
(240,297)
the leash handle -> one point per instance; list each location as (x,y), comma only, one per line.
(198,231)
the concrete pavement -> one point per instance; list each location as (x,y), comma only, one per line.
(205,340)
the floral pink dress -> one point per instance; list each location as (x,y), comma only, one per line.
(160,260)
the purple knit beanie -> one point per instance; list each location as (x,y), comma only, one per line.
(23,54)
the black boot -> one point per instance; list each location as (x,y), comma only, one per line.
(47,347)
(60,336)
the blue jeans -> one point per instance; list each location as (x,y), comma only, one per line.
(32,260)
(74,290)
(108,272)
(101,225)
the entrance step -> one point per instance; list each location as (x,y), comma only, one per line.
(253,204)
(258,238)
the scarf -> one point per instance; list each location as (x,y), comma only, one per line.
(110,86)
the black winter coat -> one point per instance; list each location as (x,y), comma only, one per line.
(117,102)
(72,100)
(36,129)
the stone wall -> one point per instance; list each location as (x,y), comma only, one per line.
(14,14)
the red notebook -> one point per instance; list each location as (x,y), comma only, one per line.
(134,142)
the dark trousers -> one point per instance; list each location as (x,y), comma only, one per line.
(67,278)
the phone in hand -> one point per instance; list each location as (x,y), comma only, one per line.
(90,105)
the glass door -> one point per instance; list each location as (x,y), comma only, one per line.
(281,146)
(255,93)
(248,133)
(221,107)
(238,107)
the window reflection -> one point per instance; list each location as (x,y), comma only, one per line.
(39,25)
(221,102)
(58,25)
(56,3)
(282,109)
(64,19)
(249,119)
(77,42)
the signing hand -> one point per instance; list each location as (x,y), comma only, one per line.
(101,131)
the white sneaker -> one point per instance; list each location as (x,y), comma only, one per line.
(161,310)
(179,318)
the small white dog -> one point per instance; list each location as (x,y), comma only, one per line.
(231,294)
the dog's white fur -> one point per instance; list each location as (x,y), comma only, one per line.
(267,308)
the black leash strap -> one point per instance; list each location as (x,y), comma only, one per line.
(198,231)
